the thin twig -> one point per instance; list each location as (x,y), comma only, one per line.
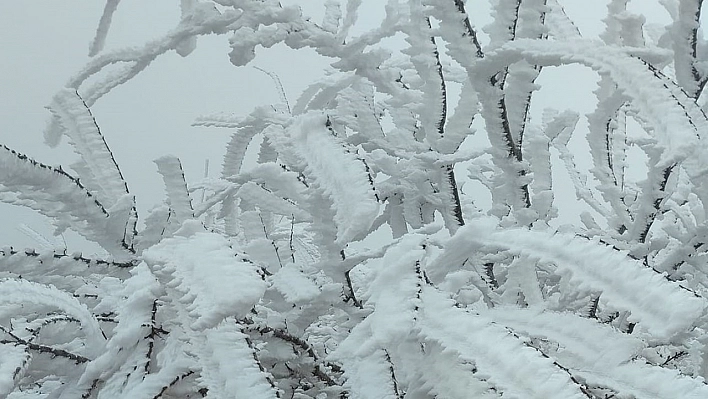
(42,348)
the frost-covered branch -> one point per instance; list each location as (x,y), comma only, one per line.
(341,253)
(690,73)
(103,26)
(58,195)
(41,348)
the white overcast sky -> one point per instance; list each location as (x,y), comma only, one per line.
(43,42)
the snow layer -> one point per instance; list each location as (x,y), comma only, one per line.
(170,168)
(100,172)
(211,280)
(56,194)
(103,27)
(371,378)
(586,343)
(126,349)
(266,200)
(598,353)
(518,370)
(229,368)
(294,284)
(21,291)
(13,360)
(339,173)
(660,307)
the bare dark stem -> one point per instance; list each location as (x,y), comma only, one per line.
(350,294)
(173,383)
(78,359)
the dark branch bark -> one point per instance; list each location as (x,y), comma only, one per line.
(78,257)
(174,382)
(350,295)
(657,203)
(78,359)
(393,376)
(469,31)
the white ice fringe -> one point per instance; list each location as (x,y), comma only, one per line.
(338,173)
(229,368)
(661,308)
(21,291)
(170,168)
(503,360)
(203,273)
(58,195)
(98,169)
(13,363)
